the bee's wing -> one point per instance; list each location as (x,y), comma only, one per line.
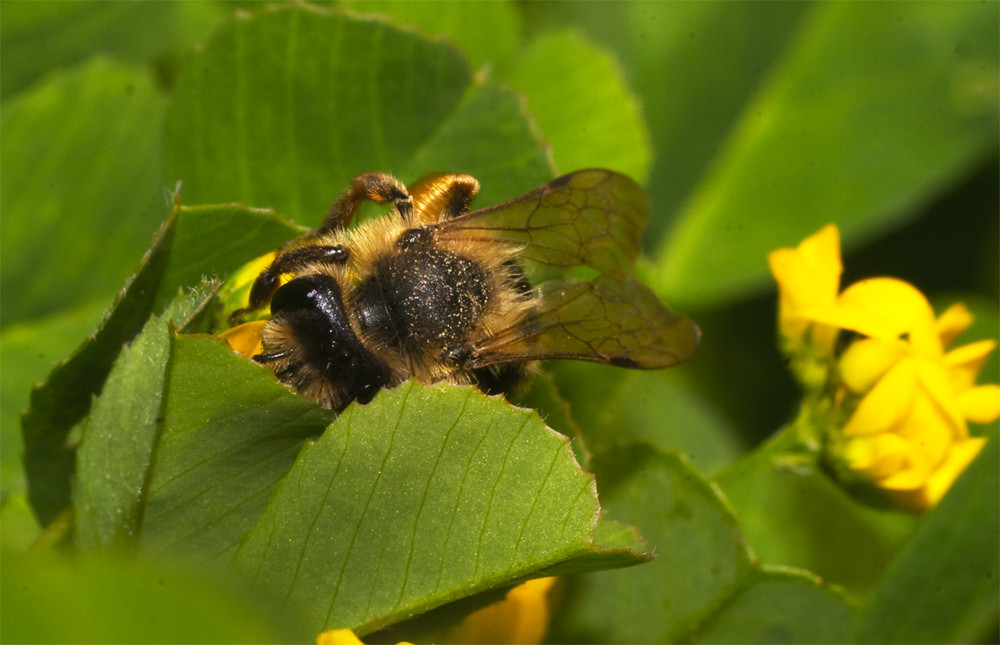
(615,321)
(590,217)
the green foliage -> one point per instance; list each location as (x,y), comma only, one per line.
(855,100)
(204,491)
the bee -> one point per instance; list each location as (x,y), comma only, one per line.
(436,292)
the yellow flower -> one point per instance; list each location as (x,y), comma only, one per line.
(895,402)
(522,616)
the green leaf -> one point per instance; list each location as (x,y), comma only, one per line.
(111,600)
(120,435)
(229,433)
(794,514)
(854,130)
(461,22)
(29,352)
(81,186)
(943,586)
(662,408)
(347,94)
(700,557)
(779,606)
(423,497)
(489,136)
(283,107)
(703,575)
(59,403)
(584,109)
(119,439)
(216,240)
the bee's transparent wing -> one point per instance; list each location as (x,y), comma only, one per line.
(615,321)
(589,217)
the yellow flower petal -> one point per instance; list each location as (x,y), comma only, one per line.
(911,473)
(980,404)
(887,309)
(808,276)
(935,381)
(940,481)
(887,405)
(905,458)
(338,637)
(952,322)
(342,637)
(876,456)
(867,360)
(521,617)
(959,458)
(928,430)
(965,362)
(245,339)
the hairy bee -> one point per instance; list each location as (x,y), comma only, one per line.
(435,292)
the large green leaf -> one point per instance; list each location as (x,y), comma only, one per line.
(284,107)
(81,186)
(871,111)
(120,435)
(59,403)
(943,586)
(423,497)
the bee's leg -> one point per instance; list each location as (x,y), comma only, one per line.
(296,259)
(441,197)
(376,186)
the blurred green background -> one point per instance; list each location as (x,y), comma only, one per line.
(750,125)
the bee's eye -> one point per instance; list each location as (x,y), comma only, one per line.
(318,292)
(311,309)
